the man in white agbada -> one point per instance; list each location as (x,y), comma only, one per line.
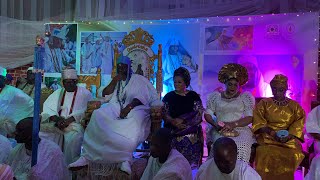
(86,56)
(116,129)
(61,115)
(224,164)
(50,161)
(28,85)
(165,162)
(5,148)
(15,105)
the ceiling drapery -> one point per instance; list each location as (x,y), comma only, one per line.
(22,20)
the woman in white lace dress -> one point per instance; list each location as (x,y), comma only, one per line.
(233,111)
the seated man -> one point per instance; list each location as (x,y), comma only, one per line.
(15,105)
(50,163)
(165,162)
(224,164)
(61,115)
(116,129)
(28,85)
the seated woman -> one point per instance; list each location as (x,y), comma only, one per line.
(278,123)
(183,110)
(115,130)
(233,110)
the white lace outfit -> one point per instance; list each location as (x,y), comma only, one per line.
(230,110)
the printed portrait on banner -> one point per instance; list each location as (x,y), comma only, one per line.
(60,47)
(175,56)
(97,51)
(228,38)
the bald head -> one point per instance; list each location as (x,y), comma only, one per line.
(225,154)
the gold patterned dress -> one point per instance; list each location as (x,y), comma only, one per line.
(275,160)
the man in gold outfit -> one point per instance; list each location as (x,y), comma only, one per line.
(278,123)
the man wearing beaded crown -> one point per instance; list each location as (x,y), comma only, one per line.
(116,129)
(15,105)
(61,116)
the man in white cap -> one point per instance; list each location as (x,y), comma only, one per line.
(54,86)
(28,85)
(61,115)
(56,57)
(115,130)
(15,105)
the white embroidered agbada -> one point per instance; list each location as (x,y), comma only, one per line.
(15,105)
(314,172)
(313,126)
(242,171)
(5,148)
(50,162)
(109,139)
(73,134)
(229,110)
(176,167)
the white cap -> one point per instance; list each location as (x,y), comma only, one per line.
(69,74)
(30,69)
(60,33)
(3,71)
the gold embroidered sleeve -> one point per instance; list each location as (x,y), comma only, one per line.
(296,128)
(259,120)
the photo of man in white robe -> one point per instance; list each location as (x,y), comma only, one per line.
(56,56)
(87,52)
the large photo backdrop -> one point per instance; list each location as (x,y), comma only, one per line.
(266,45)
